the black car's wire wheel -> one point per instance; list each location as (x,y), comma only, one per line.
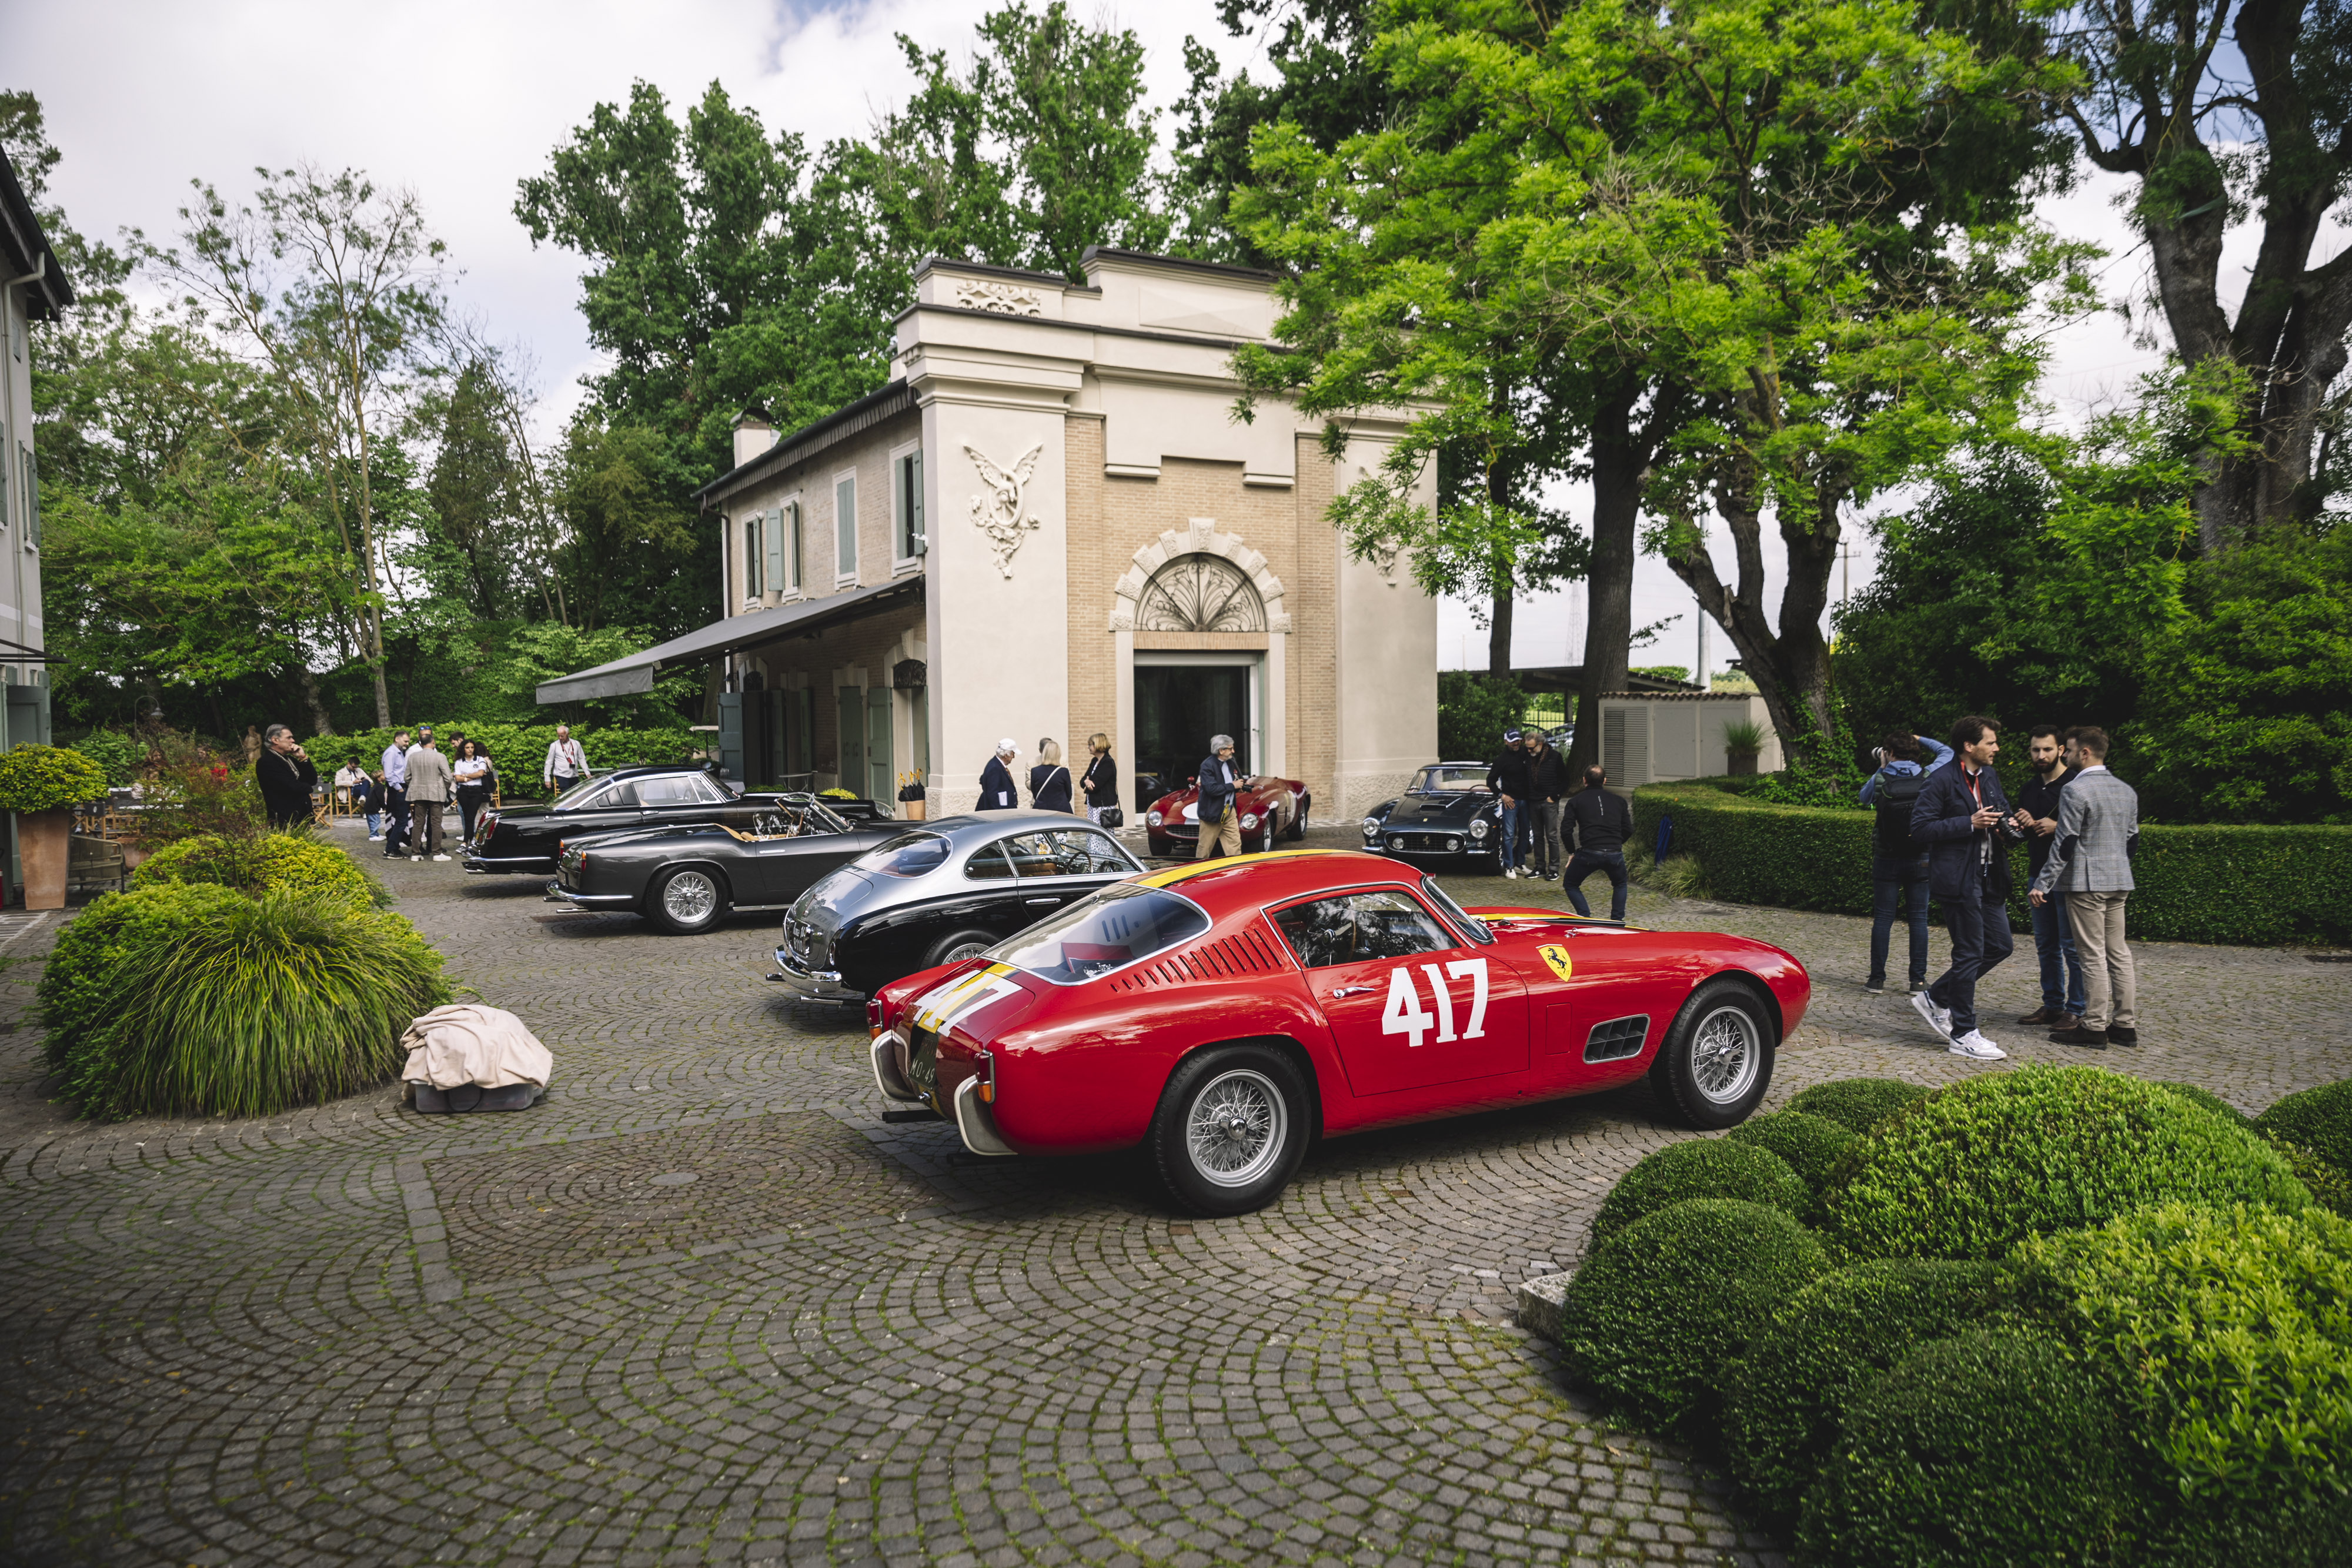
(957,946)
(1231,1129)
(686,901)
(1716,1061)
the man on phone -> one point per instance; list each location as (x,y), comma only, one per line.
(2054,938)
(2091,863)
(1963,817)
(287,777)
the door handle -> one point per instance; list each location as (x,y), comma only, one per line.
(1351,991)
(1036,901)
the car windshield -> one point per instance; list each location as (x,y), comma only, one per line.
(1461,919)
(1450,779)
(802,814)
(588,791)
(909,855)
(1123,922)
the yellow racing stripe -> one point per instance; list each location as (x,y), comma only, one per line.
(1175,875)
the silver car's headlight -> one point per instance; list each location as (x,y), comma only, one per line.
(1478,829)
(1152,818)
(1372,826)
(1250,821)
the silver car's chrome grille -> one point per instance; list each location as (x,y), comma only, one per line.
(805,941)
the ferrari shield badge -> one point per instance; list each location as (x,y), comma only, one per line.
(1553,954)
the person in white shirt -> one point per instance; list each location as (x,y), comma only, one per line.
(472,772)
(566,763)
(396,795)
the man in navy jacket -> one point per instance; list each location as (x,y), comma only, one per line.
(996,790)
(1964,818)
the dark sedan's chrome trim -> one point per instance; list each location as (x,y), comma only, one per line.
(811,984)
(886,1076)
(602,900)
(514,862)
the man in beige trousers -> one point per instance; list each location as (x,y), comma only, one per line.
(2099,830)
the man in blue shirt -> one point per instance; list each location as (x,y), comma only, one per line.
(396,795)
(1898,868)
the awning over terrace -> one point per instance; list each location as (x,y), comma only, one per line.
(629,677)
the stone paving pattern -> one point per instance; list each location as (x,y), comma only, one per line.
(373,1337)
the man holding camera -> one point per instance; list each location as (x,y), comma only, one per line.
(1964,818)
(1509,777)
(1898,867)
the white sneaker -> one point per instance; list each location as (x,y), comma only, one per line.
(1939,1018)
(413,859)
(375,838)
(1977,1048)
(440,857)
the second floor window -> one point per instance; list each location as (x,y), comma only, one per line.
(752,558)
(844,526)
(907,507)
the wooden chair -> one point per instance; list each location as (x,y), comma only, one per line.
(93,862)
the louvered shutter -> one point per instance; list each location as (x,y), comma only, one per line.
(774,532)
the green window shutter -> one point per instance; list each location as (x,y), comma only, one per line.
(32,498)
(844,528)
(915,493)
(775,531)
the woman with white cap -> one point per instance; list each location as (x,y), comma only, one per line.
(996,790)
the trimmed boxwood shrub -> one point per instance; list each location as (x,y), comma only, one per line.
(2210,1101)
(1651,1320)
(1985,1448)
(193,999)
(44,778)
(517,750)
(1785,1397)
(1858,1105)
(2205,881)
(1810,1144)
(2330,1186)
(2228,1337)
(284,862)
(2319,1118)
(1700,1167)
(1993,1159)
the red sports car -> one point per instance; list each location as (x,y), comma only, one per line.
(1226,1014)
(1270,809)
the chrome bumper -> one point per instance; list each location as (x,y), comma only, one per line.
(811,984)
(978,1127)
(886,1076)
(481,867)
(556,895)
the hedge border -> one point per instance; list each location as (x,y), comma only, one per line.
(2247,884)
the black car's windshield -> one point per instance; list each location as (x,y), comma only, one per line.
(1123,922)
(909,855)
(1450,779)
(582,793)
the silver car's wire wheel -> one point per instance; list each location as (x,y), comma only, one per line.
(1725,1053)
(689,897)
(962,950)
(1238,1127)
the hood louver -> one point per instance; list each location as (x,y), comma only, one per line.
(1227,958)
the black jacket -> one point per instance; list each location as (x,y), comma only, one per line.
(1100,781)
(1049,786)
(1548,775)
(286,784)
(996,790)
(1963,860)
(2042,800)
(1509,775)
(1604,822)
(1216,795)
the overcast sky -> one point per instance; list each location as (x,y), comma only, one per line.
(461,100)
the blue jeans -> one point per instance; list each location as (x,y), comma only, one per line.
(1907,894)
(1978,925)
(1506,853)
(1583,863)
(2053,944)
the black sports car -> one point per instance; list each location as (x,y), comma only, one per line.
(938,892)
(1447,813)
(522,838)
(685,878)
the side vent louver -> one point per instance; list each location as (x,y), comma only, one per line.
(1228,958)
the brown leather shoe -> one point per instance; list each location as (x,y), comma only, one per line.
(2043,1015)
(2090,1038)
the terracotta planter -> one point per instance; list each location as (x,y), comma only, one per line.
(912,810)
(41,846)
(1739,764)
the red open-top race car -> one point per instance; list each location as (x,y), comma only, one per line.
(1226,1014)
(1266,808)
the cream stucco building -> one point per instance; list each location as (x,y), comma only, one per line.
(1051,523)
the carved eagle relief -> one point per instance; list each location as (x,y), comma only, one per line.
(997,513)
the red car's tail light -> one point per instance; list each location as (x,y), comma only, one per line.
(986,1062)
(873,1017)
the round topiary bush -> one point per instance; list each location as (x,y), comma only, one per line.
(2229,1335)
(1997,1158)
(1810,1144)
(197,1000)
(1984,1449)
(2210,1101)
(279,863)
(1784,1399)
(2330,1186)
(1700,1167)
(1857,1104)
(44,778)
(2319,1118)
(1651,1319)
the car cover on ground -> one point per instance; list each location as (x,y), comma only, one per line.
(467,1056)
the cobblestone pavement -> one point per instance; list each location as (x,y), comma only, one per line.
(702,1305)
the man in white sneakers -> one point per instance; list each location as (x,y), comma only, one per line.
(1965,819)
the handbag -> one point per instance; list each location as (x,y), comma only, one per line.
(1109,816)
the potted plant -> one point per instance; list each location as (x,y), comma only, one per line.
(1743,741)
(42,784)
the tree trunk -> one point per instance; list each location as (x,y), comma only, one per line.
(1499,632)
(320,723)
(375,667)
(1620,462)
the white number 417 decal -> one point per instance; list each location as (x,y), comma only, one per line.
(1404,1014)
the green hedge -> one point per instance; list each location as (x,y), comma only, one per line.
(2208,881)
(1701,1167)
(517,750)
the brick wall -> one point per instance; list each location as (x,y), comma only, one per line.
(1314,655)
(1094,565)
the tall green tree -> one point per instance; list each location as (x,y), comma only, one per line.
(471,532)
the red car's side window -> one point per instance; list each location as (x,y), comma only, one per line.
(1356,927)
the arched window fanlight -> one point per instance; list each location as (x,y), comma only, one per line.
(1200,594)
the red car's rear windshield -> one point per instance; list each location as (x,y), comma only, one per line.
(1105,931)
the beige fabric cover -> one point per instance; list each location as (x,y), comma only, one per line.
(467,1043)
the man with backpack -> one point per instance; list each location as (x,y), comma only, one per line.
(1898,867)
(1510,778)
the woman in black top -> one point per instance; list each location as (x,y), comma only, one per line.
(1100,780)
(1049,781)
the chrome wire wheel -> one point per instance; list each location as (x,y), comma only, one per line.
(962,950)
(1238,1127)
(689,897)
(1725,1053)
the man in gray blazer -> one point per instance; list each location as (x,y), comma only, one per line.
(2099,830)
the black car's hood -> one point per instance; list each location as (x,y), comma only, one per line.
(1437,810)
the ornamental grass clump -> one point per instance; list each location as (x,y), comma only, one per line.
(1858,1105)
(272,863)
(191,999)
(2319,1118)
(1985,1448)
(1991,1160)
(1810,1144)
(1700,1167)
(1652,1318)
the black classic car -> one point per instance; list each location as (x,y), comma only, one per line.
(938,894)
(688,877)
(522,838)
(1447,813)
